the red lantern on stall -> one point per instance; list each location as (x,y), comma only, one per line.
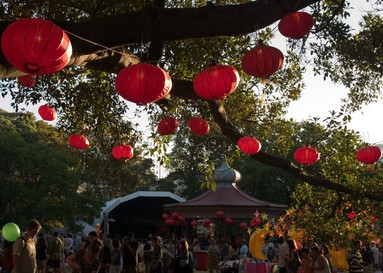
(122,151)
(181,218)
(47,113)
(199,126)
(249,145)
(170,222)
(193,223)
(78,141)
(219,213)
(242,225)
(228,221)
(165,216)
(296,24)
(208,221)
(36,46)
(175,215)
(369,154)
(27,81)
(216,82)
(306,155)
(262,61)
(167,126)
(143,83)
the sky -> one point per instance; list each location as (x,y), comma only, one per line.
(318,99)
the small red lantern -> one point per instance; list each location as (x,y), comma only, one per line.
(296,24)
(47,113)
(167,126)
(249,145)
(27,81)
(369,154)
(262,61)
(199,126)
(193,223)
(122,152)
(208,221)
(175,215)
(306,155)
(36,46)
(181,218)
(219,213)
(78,141)
(143,83)
(170,222)
(216,82)
(242,225)
(165,216)
(228,221)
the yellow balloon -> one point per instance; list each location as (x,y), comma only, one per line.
(256,243)
(339,258)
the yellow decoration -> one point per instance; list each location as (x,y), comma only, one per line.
(339,258)
(256,243)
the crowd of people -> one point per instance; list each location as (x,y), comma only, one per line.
(36,252)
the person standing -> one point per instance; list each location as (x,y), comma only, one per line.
(319,262)
(157,255)
(355,258)
(55,252)
(283,250)
(375,252)
(24,249)
(129,254)
(213,252)
(41,253)
(116,257)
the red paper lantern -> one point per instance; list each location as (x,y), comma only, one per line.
(306,155)
(170,222)
(175,215)
(262,61)
(143,83)
(242,225)
(199,126)
(216,82)
(219,213)
(228,220)
(167,126)
(47,113)
(78,141)
(249,145)
(296,24)
(369,154)
(122,152)
(36,46)
(27,81)
(165,216)
(193,223)
(181,218)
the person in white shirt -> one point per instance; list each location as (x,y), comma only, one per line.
(283,250)
(375,252)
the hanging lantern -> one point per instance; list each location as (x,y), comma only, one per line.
(165,216)
(219,213)
(208,221)
(242,225)
(199,126)
(262,61)
(216,82)
(249,145)
(296,24)
(306,155)
(47,113)
(170,222)
(181,218)
(122,152)
(228,221)
(143,83)
(27,81)
(167,126)
(175,215)
(193,223)
(78,141)
(369,154)
(36,46)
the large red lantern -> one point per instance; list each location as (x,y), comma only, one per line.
(36,46)
(122,151)
(249,145)
(199,126)
(27,81)
(369,154)
(175,215)
(296,24)
(306,155)
(170,222)
(228,221)
(262,61)
(143,83)
(216,82)
(242,225)
(219,213)
(167,126)
(165,216)
(181,218)
(78,141)
(193,223)
(47,113)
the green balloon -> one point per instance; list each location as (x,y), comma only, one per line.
(11,232)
